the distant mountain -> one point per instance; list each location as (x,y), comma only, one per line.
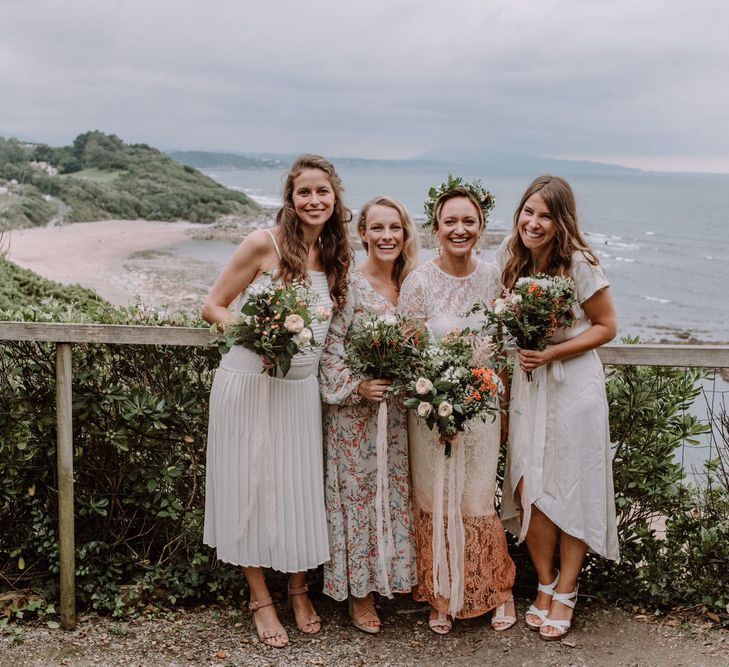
(213,160)
(500,161)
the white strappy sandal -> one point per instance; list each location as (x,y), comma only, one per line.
(568,600)
(500,621)
(541,614)
(441,624)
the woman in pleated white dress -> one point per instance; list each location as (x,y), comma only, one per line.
(558,487)
(264,498)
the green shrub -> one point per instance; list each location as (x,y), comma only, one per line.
(140,421)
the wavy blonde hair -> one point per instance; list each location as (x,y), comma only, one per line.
(334,249)
(408,257)
(560,200)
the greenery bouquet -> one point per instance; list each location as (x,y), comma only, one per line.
(459,381)
(275,322)
(534,310)
(385,347)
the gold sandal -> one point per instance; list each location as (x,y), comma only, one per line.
(308,627)
(268,636)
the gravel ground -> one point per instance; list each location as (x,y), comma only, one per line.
(225,636)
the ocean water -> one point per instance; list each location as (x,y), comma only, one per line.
(662,238)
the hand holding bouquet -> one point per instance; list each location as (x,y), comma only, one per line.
(534,310)
(459,381)
(385,347)
(275,323)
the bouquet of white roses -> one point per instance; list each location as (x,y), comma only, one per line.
(459,381)
(385,347)
(534,310)
(275,323)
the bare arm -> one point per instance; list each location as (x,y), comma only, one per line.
(601,313)
(254,255)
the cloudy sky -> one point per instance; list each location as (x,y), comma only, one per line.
(635,82)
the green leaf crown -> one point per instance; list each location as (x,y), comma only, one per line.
(476,188)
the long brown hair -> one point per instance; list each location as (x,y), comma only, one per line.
(334,249)
(560,200)
(408,257)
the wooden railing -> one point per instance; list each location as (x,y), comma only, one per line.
(65,335)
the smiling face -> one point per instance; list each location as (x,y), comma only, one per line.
(458,226)
(384,235)
(313,197)
(536,226)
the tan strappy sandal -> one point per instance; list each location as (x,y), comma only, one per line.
(273,636)
(313,624)
(366,619)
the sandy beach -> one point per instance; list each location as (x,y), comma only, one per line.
(122,260)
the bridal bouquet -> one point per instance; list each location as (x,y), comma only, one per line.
(275,323)
(534,310)
(458,381)
(385,347)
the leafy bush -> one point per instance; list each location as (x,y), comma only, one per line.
(140,420)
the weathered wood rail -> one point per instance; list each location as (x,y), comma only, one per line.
(65,335)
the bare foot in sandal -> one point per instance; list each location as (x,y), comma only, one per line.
(265,620)
(363,614)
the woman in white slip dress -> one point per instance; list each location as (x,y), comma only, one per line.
(368,502)
(264,498)
(479,571)
(558,487)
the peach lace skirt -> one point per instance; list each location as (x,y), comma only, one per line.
(488,569)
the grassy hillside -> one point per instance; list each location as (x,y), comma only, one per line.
(20,288)
(209,160)
(101,177)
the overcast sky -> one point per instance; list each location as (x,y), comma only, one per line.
(635,82)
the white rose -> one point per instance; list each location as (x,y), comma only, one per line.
(389,320)
(423,386)
(516,298)
(424,409)
(445,409)
(323,313)
(303,337)
(294,323)
(499,306)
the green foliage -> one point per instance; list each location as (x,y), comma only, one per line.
(148,184)
(20,287)
(650,420)
(140,420)
(26,208)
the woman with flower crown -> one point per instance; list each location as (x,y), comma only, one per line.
(264,496)
(558,487)
(464,570)
(372,548)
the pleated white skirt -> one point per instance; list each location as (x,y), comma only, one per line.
(264,499)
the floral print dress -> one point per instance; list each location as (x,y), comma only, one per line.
(350,432)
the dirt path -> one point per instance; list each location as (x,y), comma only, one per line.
(224,636)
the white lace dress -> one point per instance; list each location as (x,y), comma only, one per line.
(264,496)
(559,438)
(360,532)
(444,301)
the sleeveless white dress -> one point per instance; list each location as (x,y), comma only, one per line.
(264,496)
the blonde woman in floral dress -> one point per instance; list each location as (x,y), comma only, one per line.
(371,547)
(480,573)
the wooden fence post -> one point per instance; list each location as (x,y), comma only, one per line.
(64,454)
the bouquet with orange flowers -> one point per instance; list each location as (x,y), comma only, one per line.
(458,381)
(275,323)
(534,310)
